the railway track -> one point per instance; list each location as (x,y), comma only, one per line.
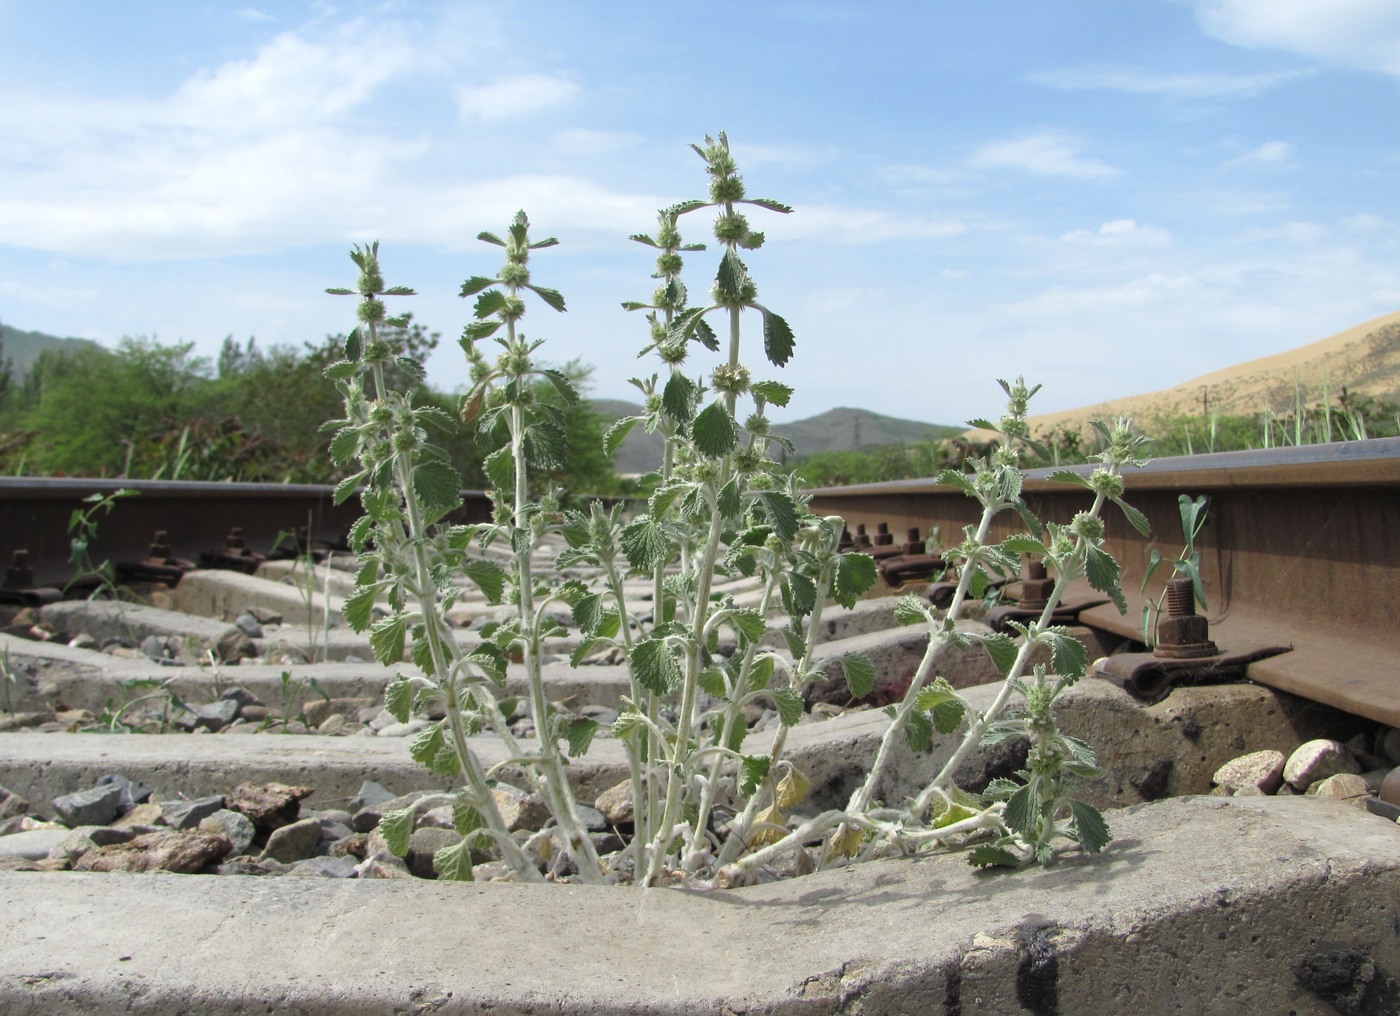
(1276,520)
(1301,549)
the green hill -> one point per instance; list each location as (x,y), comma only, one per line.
(840,429)
(23,348)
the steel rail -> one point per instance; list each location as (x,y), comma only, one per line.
(1301,546)
(198,517)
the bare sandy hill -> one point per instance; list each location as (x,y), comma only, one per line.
(1365,360)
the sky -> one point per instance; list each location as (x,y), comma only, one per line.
(1106,196)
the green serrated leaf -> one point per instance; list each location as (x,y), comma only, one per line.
(860,674)
(627,725)
(423,745)
(386,638)
(1089,826)
(1135,518)
(454,863)
(617,433)
(489,577)
(789,705)
(579,733)
(358,608)
(645,545)
(1001,649)
(799,594)
(796,643)
(552,297)
(1023,543)
(398,698)
(753,771)
(437,485)
(912,609)
(987,856)
(918,730)
(466,819)
(713,430)
(1102,572)
(678,397)
(712,682)
(728,501)
(782,513)
(934,694)
(343,445)
(947,716)
(778,342)
(396,827)
(655,666)
(773,392)
(1022,810)
(750,623)
(855,573)
(1068,656)
(346,487)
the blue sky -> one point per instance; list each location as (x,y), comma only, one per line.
(1109,196)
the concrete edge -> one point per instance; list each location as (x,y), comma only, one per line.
(1202,905)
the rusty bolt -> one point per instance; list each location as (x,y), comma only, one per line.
(1183,634)
(862,539)
(912,544)
(883,537)
(19,575)
(160,546)
(235,542)
(846,542)
(1036,585)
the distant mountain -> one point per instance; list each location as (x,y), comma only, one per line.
(840,429)
(1363,360)
(23,348)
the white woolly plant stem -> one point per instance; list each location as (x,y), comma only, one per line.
(663,834)
(744,822)
(732,714)
(555,781)
(444,664)
(941,782)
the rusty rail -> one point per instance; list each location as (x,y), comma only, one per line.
(198,518)
(1301,547)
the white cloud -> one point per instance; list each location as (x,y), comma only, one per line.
(509,97)
(1354,33)
(1364,222)
(1046,153)
(253,14)
(1271,153)
(579,141)
(860,225)
(1088,302)
(1171,86)
(1304,233)
(1120,233)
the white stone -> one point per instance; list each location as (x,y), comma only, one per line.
(1317,760)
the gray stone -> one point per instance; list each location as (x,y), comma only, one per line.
(85,838)
(154,647)
(32,844)
(132,792)
(94,807)
(236,827)
(370,793)
(1348,787)
(615,804)
(182,814)
(1261,769)
(323,867)
(1388,745)
(591,818)
(215,715)
(425,842)
(520,810)
(380,866)
(242,696)
(248,625)
(234,645)
(269,805)
(167,850)
(1316,760)
(420,801)
(293,842)
(403,729)
(12,804)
